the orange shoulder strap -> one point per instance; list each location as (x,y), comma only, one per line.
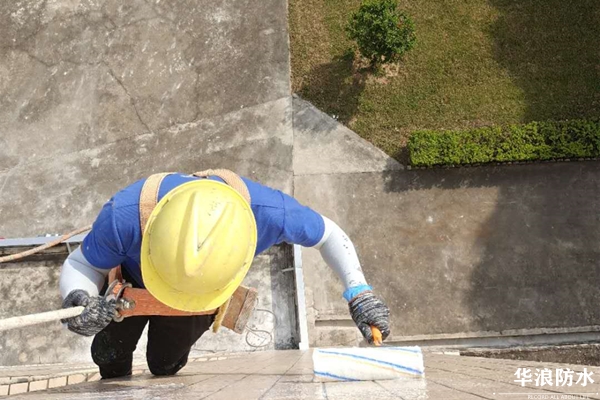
(149,197)
(230,178)
(148,200)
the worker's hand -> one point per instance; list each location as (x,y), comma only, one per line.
(98,312)
(367,310)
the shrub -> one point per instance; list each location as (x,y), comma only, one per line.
(533,141)
(383,34)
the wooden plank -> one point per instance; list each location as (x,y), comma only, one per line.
(240,309)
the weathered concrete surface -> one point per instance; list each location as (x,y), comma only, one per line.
(66,192)
(97,94)
(76,74)
(468,250)
(322,145)
(29,288)
(460,250)
(289,375)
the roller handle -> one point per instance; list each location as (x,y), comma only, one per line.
(34,319)
(377,338)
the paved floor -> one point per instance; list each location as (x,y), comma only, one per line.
(288,375)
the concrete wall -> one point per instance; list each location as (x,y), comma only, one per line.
(27,288)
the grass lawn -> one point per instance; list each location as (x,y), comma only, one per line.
(476,63)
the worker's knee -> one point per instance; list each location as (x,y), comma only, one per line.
(110,366)
(103,356)
(112,362)
(104,353)
(160,369)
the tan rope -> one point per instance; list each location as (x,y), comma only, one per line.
(23,254)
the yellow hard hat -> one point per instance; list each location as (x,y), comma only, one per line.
(198,245)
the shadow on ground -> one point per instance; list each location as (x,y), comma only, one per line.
(335,87)
(531,252)
(551,48)
(583,354)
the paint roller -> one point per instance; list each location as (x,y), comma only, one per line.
(368,363)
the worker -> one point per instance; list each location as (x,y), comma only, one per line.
(194,252)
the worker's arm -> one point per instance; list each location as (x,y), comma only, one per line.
(80,284)
(78,273)
(84,273)
(308,228)
(339,253)
(102,249)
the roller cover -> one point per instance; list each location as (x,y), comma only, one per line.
(365,364)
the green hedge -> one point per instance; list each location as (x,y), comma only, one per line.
(533,141)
